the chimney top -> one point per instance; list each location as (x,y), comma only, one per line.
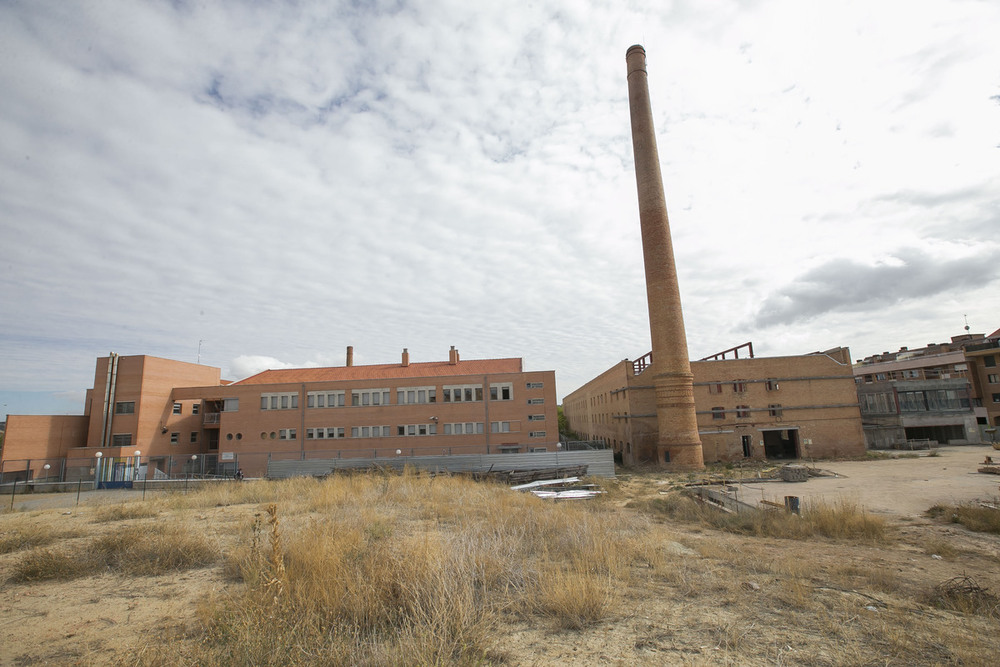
(350,355)
(406,357)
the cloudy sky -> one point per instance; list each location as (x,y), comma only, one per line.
(271,182)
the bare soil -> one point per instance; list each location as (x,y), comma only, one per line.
(731,599)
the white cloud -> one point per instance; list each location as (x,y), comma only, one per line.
(281,180)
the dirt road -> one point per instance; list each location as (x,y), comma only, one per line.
(901,486)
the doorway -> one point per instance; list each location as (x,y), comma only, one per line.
(781,443)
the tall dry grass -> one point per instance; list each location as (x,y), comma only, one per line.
(131,550)
(843,520)
(408,569)
(980,517)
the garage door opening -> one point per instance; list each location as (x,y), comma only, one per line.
(781,444)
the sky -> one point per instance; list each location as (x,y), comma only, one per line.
(256,185)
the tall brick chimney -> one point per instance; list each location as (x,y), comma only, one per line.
(350,355)
(406,357)
(678,443)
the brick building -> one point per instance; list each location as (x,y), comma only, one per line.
(802,406)
(157,417)
(947,393)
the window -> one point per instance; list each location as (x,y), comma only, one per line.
(467,428)
(409,395)
(739,387)
(535,385)
(125,408)
(121,440)
(878,404)
(175,438)
(989,361)
(177,408)
(369,431)
(774,409)
(536,434)
(536,401)
(366,397)
(286,434)
(715,388)
(510,449)
(194,437)
(195,408)
(416,429)
(771,384)
(537,450)
(462,393)
(536,418)
(499,427)
(718,413)
(993,378)
(912,401)
(284,401)
(325,399)
(501,392)
(996,398)
(230,404)
(742,411)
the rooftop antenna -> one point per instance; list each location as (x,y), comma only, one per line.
(201,341)
(966,323)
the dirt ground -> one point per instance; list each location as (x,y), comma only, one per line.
(898,486)
(713,612)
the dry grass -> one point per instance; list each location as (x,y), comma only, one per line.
(131,550)
(377,570)
(24,534)
(980,517)
(842,520)
(125,511)
(412,570)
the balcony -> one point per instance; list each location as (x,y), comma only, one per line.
(211,419)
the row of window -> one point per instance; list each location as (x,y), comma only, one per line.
(460,393)
(743,411)
(740,386)
(128,408)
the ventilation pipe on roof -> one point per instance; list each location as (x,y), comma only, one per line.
(406,357)
(350,355)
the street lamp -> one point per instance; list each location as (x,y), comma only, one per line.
(46,467)
(135,473)
(97,469)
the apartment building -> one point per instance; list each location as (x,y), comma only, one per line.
(788,407)
(946,393)
(155,417)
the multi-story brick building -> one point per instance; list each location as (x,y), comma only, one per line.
(801,406)
(156,417)
(947,393)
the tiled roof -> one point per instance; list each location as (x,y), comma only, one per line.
(384,371)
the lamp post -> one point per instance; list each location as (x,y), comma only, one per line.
(138,458)
(97,469)
(46,468)
(194,458)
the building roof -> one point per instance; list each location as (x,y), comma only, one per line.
(385,371)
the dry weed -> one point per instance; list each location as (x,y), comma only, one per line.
(125,511)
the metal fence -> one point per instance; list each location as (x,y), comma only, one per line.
(112,471)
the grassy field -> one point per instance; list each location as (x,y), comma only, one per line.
(414,570)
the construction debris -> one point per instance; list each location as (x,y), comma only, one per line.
(566,488)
